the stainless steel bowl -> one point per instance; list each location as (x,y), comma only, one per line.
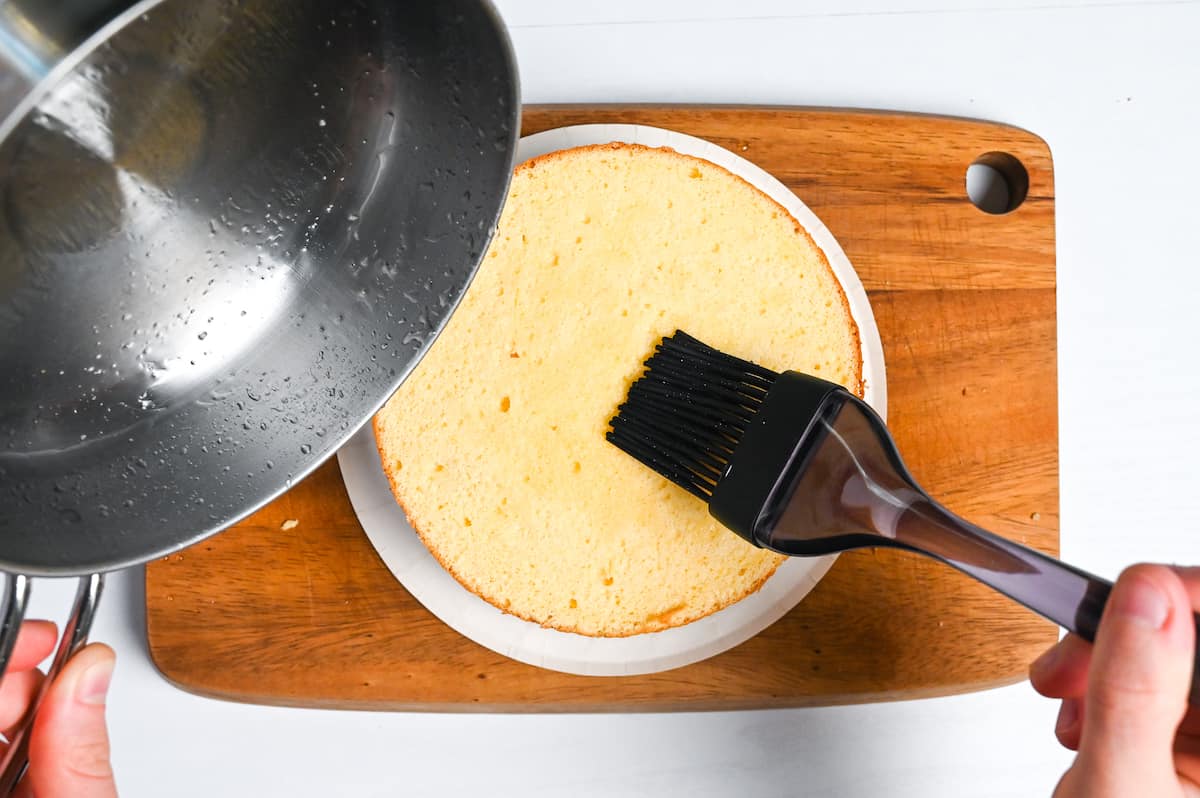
(228,230)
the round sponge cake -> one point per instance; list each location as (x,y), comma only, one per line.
(495,446)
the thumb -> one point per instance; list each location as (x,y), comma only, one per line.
(68,751)
(1138,685)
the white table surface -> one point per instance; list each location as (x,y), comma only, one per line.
(1112,87)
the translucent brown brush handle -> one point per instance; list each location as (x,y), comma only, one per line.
(1069,596)
(847,487)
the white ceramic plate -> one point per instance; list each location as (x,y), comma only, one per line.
(412,564)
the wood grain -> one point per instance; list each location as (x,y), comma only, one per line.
(965,303)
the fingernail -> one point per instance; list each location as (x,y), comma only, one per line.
(1141,601)
(1047,660)
(93,683)
(1068,715)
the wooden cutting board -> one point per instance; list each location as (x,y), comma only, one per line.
(965,301)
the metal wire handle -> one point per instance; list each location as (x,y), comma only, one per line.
(74,636)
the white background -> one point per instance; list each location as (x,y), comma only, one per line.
(1113,88)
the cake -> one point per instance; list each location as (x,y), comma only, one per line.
(494,446)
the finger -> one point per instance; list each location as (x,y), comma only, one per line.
(1062,671)
(16,691)
(35,641)
(1070,723)
(1191,582)
(68,752)
(1138,683)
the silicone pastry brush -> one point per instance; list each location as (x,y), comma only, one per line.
(803,467)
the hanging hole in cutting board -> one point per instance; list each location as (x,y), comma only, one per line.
(997,182)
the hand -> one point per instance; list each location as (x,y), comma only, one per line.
(68,750)
(1125,704)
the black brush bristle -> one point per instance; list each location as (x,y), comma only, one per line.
(687,413)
